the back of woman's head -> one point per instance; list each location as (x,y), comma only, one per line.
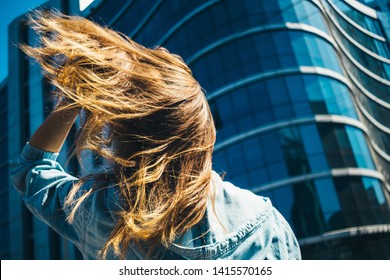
(145,114)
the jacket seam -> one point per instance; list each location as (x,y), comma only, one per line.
(213,251)
(247,231)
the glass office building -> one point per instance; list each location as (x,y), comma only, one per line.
(380,5)
(22,110)
(4,208)
(300,95)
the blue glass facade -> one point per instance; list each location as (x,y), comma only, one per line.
(365,48)
(300,95)
(4,205)
(24,104)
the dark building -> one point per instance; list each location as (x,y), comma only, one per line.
(300,94)
(4,206)
(379,5)
(25,106)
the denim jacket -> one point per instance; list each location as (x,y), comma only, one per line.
(238,224)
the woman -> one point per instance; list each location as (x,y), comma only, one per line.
(145,114)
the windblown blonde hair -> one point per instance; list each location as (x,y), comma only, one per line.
(145,113)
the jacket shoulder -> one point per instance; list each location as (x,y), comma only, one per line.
(255,228)
(234,207)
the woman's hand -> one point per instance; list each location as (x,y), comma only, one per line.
(51,135)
